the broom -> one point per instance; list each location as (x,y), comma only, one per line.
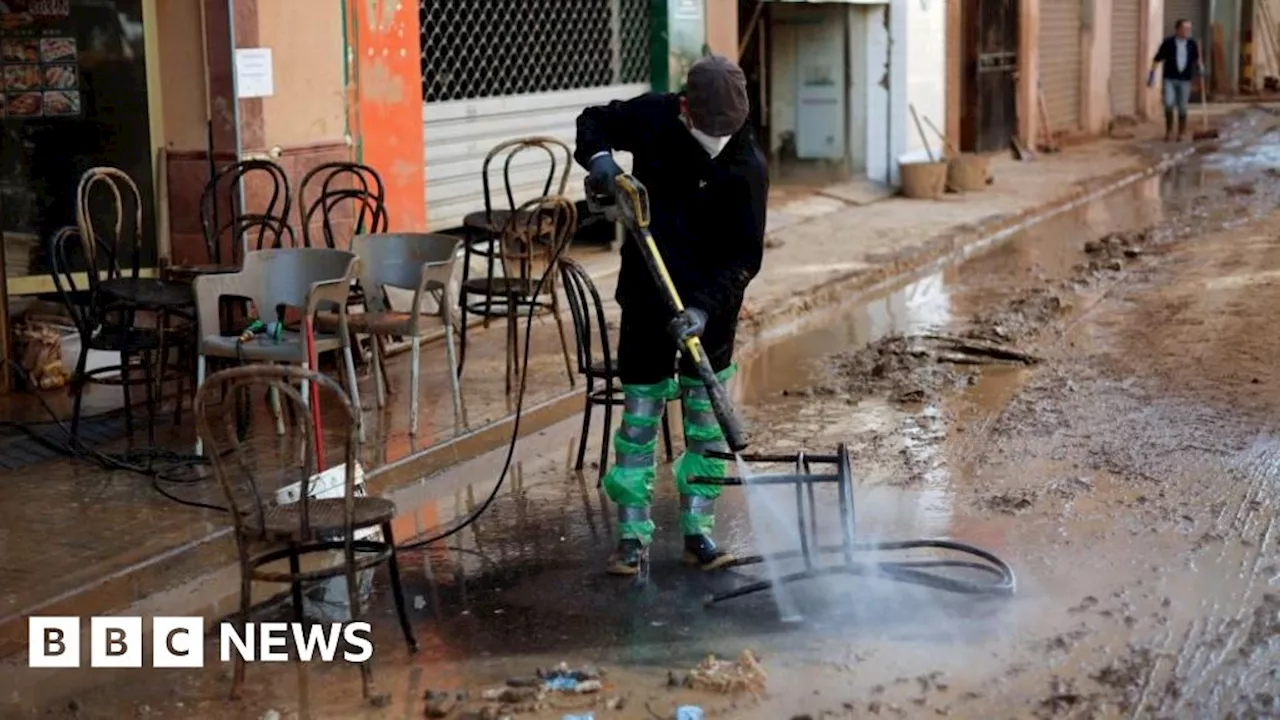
(1206,132)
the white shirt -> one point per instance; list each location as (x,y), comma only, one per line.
(1180,45)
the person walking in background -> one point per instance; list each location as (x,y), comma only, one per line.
(1179,55)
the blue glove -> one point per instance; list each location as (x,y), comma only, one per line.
(602,177)
(689,324)
(1151,78)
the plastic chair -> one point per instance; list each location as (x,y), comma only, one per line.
(420,263)
(535,238)
(596,361)
(274,281)
(268,528)
(483,228)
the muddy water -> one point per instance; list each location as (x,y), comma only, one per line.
(1130,478)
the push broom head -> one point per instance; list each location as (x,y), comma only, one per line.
(1206,134)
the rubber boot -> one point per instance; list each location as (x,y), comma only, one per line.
(702,435)
(1182,127)
(629,481)
(1168,126)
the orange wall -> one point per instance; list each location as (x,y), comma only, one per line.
(386,114)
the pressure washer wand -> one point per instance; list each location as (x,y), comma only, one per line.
(634,213)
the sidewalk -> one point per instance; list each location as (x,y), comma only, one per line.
(821,251)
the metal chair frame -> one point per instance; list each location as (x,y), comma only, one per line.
(591,332)
(266,531)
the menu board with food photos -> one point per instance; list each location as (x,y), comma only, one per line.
(39,74)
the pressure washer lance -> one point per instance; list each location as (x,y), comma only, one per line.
(273,330)
(634,214)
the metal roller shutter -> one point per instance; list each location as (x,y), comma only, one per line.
(1193,10)
(1060,62)
(1125,22)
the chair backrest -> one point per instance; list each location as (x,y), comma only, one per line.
(252,469)
(590,328)
(124,233)
(558,154)
(535,235)
(421,262)
(68,253)
(229,231)
(350,200)
(287,276)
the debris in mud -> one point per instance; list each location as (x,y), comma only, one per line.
(1064,700)
(916,368)
(1127,676)
(1010,502)
(745,675)
(1023,315)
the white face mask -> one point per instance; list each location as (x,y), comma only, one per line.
(713,145)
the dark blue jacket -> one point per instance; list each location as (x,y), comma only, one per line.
(707,215)
(1168,54)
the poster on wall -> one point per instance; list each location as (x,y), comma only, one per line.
(39,74)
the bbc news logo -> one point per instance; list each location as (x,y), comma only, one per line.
(178,642)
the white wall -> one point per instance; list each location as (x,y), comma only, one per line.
(926,52)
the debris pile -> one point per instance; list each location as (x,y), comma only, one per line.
(561,688)
(746,675)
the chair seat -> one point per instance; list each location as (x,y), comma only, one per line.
(120,339)
(502,286)
(369,323)
(290,348)
(491,222)
(327,515)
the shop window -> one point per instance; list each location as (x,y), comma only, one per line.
(73,93)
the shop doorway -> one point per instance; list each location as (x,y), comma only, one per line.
(989,96)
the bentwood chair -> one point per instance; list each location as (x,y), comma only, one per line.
(541,173)
(105,325)
(596,360)
(346,199)
(261,479)
(534,239)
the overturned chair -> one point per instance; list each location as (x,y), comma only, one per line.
(838,472)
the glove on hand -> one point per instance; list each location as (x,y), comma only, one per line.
(601,179)
(1151,79)
(688,324)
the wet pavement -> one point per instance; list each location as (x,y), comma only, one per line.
(1129,477)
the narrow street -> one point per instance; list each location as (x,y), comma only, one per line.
(1130,477)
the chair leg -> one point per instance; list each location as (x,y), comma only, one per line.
(666,434)
(415,372)
(605,437)
(354,389)
(455,371)
(246,593)
(77,392)
(513,343)
(295,585)
(462,307)
(126,383)
(201,364)
(379,384)
(397,590)
(586,430)
(353,597)
(148,377)
(564,339)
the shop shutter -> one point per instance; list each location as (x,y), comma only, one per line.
(1060,62)
(1125,22)
(494,70)
(1193,10)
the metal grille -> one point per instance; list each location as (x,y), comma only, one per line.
(485,48)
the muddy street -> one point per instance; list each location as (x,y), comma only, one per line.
(1094,399)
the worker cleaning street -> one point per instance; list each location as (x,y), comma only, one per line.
(707,181)
(1181,64)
